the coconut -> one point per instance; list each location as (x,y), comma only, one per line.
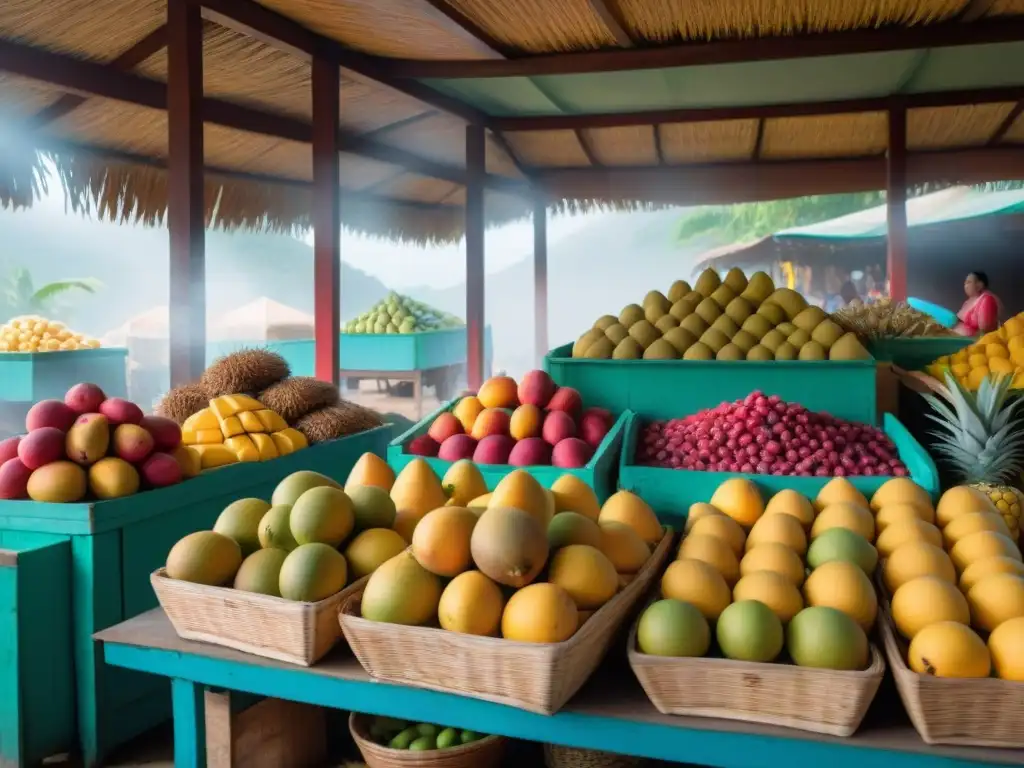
(336,421)
(295,397)
(181,402)
(246,371)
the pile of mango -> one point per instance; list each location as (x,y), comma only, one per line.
(1000,352)
(236,428)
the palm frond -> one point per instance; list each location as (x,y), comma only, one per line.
(51,290)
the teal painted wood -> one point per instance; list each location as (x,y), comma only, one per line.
(662,389)
(31,377)
(397,352)
(115,545)
(330,458)
(671,491)
(914,354)
(189,724)
(37,704)
(659,740)
(599,473)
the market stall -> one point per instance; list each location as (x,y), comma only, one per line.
(536,108)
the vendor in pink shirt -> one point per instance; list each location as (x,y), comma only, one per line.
(980,313)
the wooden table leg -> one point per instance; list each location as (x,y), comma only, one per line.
(189,724)
(417,387)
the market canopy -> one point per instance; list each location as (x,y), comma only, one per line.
(621,102)
(948,205)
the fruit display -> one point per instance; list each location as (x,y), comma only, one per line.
(534,422)
(787,580)
(762,434)
(401,314)
(310,540)
(311,406)
(977,441)
(524,563)
(1000,353)
(955,576)
(238,428)
(730,318)
(91,447)
(418,737)
(888,319)
(32,333)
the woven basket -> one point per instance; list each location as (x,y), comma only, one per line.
(540,677)
(485,753)
(976,712)
(570,757)
(272,627)
(819,700)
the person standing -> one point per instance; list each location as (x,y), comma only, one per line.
(980,313)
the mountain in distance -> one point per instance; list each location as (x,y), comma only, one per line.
(595,271)
(132,264)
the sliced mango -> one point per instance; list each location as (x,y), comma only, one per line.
(289,440)
(204,419)
(201,436)
(265,445)
(230,405)
(244,448)
(251,422)
(231,426)
(212,456)
(271,420)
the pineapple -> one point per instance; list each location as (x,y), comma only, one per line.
(981,440)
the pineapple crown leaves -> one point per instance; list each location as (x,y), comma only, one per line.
(979,436)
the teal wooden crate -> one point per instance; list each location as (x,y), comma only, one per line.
(115,545)
(671,491)
(662,389)
(599,473)
(37,706)
(914,354)
(30,377)
(369,352)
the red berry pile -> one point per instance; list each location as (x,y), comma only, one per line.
(761,434)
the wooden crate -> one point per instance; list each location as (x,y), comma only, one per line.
(272,733)
(115,546)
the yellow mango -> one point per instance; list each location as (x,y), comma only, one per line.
(271,421)
(211,456)
(250,422)
(231,426)
(289,440)
(245,449)
(204,419)
(265,445)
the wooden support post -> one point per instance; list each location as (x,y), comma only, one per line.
(475,284)
(326,219)
(186,206)
(540,280)
(896,204)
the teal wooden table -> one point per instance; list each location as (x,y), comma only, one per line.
(611,713)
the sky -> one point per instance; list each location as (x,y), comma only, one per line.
(406,266)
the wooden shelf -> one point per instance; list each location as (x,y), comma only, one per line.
(611,713)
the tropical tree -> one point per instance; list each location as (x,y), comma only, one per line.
(748,221)
(20,296)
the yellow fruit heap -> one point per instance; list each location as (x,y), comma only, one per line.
(1000,352)
(32,333)
(239,428)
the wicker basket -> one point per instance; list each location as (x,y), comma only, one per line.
(570,757)
(485,753)
(300,633)
(540,677)
(819,700)
(978,712)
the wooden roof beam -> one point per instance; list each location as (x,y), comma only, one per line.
(612,21)
(280,32)
(975,9)
(1007,124)
(750,112)
(87,78)
(691,54)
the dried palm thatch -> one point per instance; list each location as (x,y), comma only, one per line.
(631,145)
(710,142)
(246,371)
(336,421)
(856,135)
(539,26)
(181,402)
(293,398)
(944,127)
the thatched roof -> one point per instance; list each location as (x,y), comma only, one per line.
(621,102)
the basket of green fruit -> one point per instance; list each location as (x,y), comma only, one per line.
(388,743)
